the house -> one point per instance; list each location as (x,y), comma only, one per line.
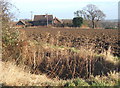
(39,20)
(57,22)
(45,20)
(23,23)
(42,20)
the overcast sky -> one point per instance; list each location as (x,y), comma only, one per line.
(63,9)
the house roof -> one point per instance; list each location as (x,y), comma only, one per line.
(58,20)
(43,17)
(24,22)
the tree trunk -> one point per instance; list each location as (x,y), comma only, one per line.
(93,24)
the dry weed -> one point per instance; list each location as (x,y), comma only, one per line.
(12,75)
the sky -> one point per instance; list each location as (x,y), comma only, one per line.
(62,9)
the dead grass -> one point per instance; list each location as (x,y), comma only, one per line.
(12,75)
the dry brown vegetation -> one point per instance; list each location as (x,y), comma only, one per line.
(12,75)
(46,56)
(67,53)
(63,53)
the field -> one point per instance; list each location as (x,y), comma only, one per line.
(77,55)
(100,39)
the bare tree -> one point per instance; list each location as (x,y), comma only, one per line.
(5,7)
(91,13)
(6,13)
(9,34)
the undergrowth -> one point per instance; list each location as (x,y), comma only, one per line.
(59,60)
(62,62)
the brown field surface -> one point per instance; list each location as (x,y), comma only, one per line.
(99,39)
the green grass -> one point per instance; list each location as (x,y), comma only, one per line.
(96,82)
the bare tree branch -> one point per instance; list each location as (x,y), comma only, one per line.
(92,13)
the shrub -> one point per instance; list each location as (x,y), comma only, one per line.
(77,21)
(9,34)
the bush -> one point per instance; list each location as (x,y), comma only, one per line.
(10,37)
(77,21)
(9,34)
